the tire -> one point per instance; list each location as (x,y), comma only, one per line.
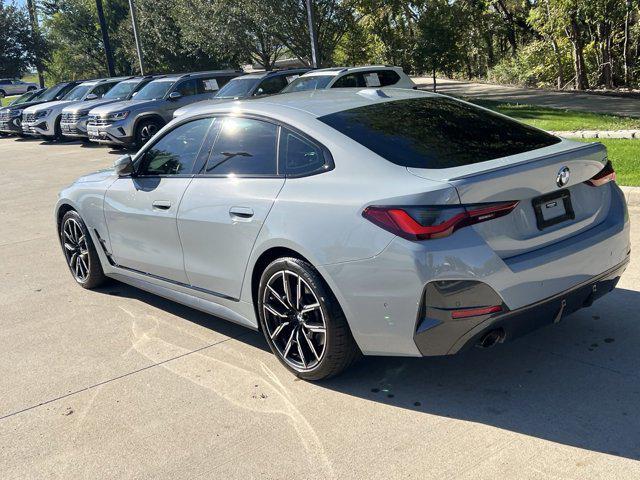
(31,89)
(145,130)
(80,252)
(2,94)
(292,330)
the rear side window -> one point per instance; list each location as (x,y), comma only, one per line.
(388,77)
(436,132)
(244,147)
(208,85)
(298,155)
(176,152)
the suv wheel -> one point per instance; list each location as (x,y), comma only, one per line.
(303,322)
(145,130)
(2,94)
(79,251)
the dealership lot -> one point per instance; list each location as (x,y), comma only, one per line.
(118,383)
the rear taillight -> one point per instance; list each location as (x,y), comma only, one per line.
(427,222)
(606,175)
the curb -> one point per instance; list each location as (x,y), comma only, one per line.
(632,194)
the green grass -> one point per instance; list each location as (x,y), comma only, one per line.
(560,120)
(625,157)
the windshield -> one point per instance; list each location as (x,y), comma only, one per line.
(436,132)
(313,82)
(237,88)
(79,92)
(52,92)
(24,98)
(154,90)
(121,91)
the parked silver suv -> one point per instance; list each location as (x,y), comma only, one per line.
(133,122)
(44,120)
(74,117)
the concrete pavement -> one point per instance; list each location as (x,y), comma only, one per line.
(546,98)
(118,383)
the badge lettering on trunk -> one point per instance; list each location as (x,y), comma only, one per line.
(563,176)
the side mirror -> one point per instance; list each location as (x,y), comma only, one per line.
(124,166)
(92,96)
(175,95)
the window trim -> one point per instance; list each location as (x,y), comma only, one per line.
(328,158)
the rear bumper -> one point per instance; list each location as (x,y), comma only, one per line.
(515,323)
(382,296)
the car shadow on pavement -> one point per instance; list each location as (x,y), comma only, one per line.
(575,383)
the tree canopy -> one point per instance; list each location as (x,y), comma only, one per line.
(548,43)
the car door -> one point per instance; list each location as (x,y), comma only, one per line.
(187,90)
(226,204)
(16,87)
(141,210)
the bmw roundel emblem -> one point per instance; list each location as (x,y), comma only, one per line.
(563,176)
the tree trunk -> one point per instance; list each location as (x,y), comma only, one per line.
(575,36)
(33,17)
(625,45)
(606,67)
(434,79)
(559,74)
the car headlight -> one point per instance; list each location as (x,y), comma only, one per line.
(118,115)
(43,113)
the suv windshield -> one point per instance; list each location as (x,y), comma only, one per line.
(312,82)
(79,92)
(237,88)
(436,132)
(121,90)
(24,98)
(52,92)
(155,90)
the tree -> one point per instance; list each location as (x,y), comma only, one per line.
(17,46)
(437,47)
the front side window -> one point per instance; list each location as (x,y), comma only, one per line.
(271,86)
(176,152)
(244,147)
(436,132)
(351,80)
(298,155)
(187,89)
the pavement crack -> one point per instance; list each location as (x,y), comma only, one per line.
(124,375)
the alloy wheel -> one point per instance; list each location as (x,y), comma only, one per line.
(294,320)
(147,131)
(75,249)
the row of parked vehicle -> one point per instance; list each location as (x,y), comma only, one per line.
(128,111)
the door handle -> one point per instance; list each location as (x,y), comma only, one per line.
(162,204)
(244,213)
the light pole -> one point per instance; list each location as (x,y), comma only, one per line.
(134,22)
(105,39)
(315,57)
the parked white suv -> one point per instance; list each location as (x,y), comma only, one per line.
(12,86)
(371,76)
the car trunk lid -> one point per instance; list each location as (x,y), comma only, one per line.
(547,211)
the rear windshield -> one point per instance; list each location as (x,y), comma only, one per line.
(436,132)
